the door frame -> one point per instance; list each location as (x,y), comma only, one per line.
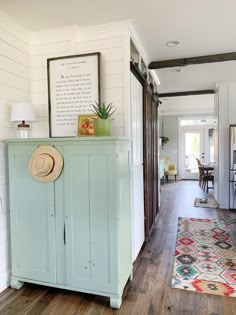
(151,178)
(192,129)
(195,127)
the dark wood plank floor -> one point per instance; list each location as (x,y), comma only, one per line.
(149,292)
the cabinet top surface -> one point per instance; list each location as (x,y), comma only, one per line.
(70,140)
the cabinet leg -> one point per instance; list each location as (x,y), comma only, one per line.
(15,284)
(115,302)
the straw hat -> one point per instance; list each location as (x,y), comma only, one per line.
(46,164)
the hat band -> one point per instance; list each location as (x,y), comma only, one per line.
(46,164)
(43,165)
(53,164)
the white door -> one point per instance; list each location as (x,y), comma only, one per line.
(192,147)
(137,197)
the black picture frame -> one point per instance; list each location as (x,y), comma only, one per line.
(73,86)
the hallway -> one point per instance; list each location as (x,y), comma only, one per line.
(149,292)
(153,276)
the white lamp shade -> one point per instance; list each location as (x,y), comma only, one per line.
(22,112)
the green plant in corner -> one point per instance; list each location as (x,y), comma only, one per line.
(102,110)
(103,125)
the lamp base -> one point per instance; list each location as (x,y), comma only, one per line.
(23,132)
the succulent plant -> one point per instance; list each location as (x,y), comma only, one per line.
(102,110)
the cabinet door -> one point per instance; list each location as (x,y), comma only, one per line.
(90,227)
(32,220)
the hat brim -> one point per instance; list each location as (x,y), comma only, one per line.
(58,164)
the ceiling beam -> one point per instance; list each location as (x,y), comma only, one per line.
(182,62)
(187,93)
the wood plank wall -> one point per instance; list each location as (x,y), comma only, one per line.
(14,87)
(112,73)
(23,78)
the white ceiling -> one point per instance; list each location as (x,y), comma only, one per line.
(196,77)
(203,27)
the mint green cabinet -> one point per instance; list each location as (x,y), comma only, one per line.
(75,232)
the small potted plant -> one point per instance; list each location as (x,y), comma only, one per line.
(164,140)
(103,124)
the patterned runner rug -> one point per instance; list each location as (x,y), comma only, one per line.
(205,203)
(205,258)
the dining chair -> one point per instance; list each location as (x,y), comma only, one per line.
(205,176)
(201,180)
(202,177)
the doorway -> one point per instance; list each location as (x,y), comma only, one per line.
(192,148)
(195,141)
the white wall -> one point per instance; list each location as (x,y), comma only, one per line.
(113,41)
(14,87)
(137,191)
(225,112)
(170,131)
(23,78)
(114,47)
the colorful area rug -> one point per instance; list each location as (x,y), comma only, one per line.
(205,258)
(205,203)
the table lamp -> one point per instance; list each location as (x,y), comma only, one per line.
(22,112)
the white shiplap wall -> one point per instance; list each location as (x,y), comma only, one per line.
(225,111)
(23,77)
(14,87)
(114,47)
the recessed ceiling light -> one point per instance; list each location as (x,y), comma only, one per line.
(173,43)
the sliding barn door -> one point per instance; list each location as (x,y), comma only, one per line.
(151,185)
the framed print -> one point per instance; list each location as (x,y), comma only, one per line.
(73,86)
(85,125)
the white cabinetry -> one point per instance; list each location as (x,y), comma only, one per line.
(137,165)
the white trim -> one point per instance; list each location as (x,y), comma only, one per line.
(126,87)
(179,148)
(11,26)
(83,34)
(104,31)
(203,126)
(107,26)
(54,35)
(193,127)
(139,45)
(190,112)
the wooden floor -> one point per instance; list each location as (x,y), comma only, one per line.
(149,292)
